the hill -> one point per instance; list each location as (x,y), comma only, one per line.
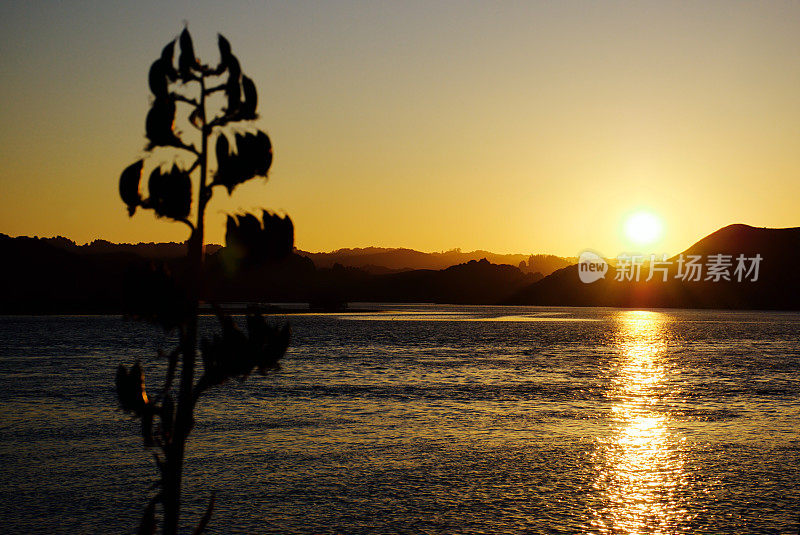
(54,275)
(776,287)
(386,260)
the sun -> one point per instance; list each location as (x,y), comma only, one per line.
(643,228)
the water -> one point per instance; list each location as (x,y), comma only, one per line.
(426,419)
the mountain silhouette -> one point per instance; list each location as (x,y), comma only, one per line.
(54,275)
(777,287)
(386,260)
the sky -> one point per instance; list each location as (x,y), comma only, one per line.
(514,127)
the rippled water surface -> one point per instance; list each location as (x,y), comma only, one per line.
(426,419)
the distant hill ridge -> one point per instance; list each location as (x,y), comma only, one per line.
(159,250)
(777,287)
(376,260)
(382,260)
(54,275)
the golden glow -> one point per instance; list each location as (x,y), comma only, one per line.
(639,466)
(524,127)
(643,228)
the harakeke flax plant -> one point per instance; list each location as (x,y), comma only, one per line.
(241,153)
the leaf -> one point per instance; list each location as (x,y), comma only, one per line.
(170,193)
(129,186)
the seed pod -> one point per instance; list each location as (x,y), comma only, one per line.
(275,349)
(252,241)
(129,186)
(233,90)
(264,158)
(167,55)
(238,168)
(186,60)
(267,343)
(255,154)
(158,79)
(234,70)
(222,150)
(227,60)
(170,193)
(224,47)
(136,380)
(235,242)
(250,103)
(223,160)
(249,230)
(158,125)
(131,390)
(278,241)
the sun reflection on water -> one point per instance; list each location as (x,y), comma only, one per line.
(639,465)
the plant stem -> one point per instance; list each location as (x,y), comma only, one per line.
(184,419)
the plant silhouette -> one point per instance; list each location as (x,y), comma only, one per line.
(156,295)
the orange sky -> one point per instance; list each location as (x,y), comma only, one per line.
(530,127)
